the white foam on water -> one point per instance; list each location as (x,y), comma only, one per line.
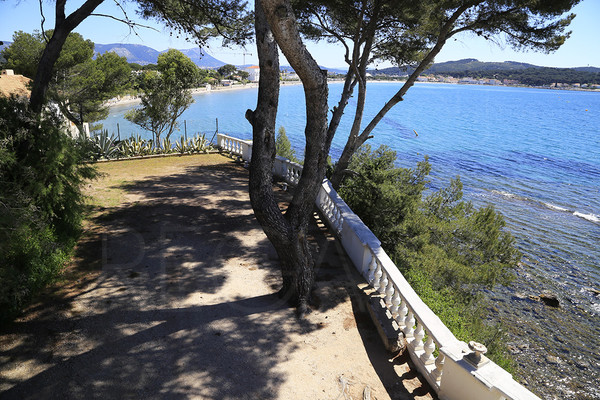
(555,207)
(589,217)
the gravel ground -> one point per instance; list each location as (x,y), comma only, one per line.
(171,295)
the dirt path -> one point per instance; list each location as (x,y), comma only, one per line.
(171,296)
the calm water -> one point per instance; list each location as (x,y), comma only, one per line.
(534,154)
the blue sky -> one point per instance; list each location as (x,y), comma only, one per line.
(582,49)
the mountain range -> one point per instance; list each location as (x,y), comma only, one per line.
(143,55)
(472,65)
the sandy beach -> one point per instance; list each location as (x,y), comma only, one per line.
(129,99)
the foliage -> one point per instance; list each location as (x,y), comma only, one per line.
(41,203)
(89,84)
(283,147)
(412,33)
(227,70)
(447,249)
(203,19)
(80,84)
(166,95)
(105,146)
(24,53)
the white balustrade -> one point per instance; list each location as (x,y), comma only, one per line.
(235,146)
(448,373)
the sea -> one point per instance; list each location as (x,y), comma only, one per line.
(534,154)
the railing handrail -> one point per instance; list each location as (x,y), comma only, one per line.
(413,317)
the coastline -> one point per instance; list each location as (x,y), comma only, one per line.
(132,100)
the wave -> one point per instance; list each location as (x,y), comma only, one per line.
(587,216)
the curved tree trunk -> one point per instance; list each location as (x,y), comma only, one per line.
(355,140)
(287,232)
(62,27)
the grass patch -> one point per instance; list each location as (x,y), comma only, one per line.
(108,191)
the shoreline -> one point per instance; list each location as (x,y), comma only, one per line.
(132,100)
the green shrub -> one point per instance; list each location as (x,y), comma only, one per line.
(447,249)
(41,204)
(283,147)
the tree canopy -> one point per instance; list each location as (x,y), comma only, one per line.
(25,52)
(411,33)
(79,83)
(166,94)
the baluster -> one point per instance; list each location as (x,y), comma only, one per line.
(383,282)
(395,302)
(371,272)
(377,276)
(429,348)
(409,325)
(402,311)
(334,214)
(439,367)
(338,219)
(389,292)
(419,334)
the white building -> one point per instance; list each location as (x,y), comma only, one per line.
(254,72)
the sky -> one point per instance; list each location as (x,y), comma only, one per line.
(581,49)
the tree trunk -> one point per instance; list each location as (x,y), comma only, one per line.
(62,27)
(287,232)
(45,68)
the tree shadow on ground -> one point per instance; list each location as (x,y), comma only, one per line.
(163,319)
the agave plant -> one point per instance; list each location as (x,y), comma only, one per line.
(199,144)
(166,147)
(147,146)
(106,146)
(182,146)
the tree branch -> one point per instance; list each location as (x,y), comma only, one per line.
(127,22)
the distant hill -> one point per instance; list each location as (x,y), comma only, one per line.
(461,66)
(134,53)
(143,55)
(201,59)
(524,73)
(587,69)
(471,64)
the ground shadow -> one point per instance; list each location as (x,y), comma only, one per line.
(154,323)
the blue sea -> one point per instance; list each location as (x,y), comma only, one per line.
(532,153)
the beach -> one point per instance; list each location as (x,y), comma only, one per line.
(132,100)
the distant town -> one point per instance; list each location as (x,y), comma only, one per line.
(467,80)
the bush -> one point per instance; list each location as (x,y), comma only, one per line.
(283,147)
(448,250)
(41,204)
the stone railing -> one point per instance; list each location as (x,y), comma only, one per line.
(235,146)
(455,370)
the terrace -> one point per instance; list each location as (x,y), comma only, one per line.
(171,295)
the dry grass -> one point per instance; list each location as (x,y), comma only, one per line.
(107,191)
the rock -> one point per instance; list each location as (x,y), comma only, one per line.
(550,300)
(595,292)
(583,365)
(519,296)
(552,360)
